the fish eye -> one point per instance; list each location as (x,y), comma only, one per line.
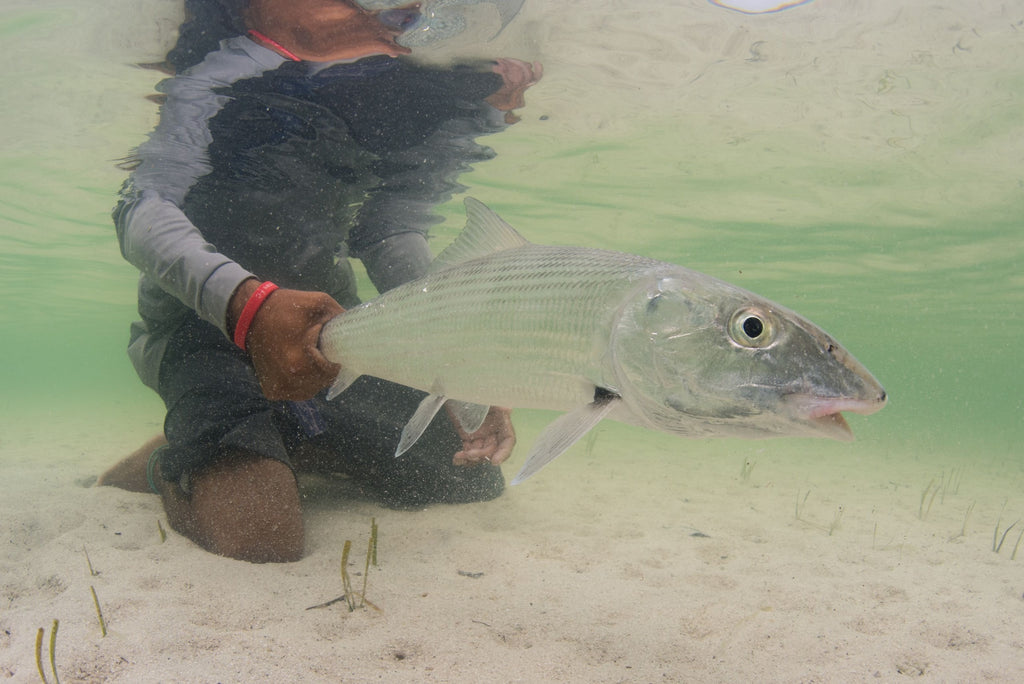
(751,328)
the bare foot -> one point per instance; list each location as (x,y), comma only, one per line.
(130,472)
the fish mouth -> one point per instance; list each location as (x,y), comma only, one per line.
(825,414)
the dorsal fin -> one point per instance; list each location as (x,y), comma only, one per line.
(485,233)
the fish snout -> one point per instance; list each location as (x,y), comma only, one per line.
(859,393)
(825,414)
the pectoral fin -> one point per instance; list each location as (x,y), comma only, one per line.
(470,416)
(565,432)
(425,413)
(341,383)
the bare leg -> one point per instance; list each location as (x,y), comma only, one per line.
(130,472)
(243,506)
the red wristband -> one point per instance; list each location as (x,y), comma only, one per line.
(274,45)
(249,312)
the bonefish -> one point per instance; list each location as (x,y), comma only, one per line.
(501,321)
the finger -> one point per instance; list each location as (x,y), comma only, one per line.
(493,442)
(523,71)
(475,451)
(332,309)
(503,450)
(504,434)
(494,449)
(324,310)
(316,358)
(462,458)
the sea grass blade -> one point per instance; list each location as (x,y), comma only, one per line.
(53,650)
(39,654)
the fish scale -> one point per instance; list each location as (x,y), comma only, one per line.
(503,321)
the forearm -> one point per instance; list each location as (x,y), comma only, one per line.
(162,243)
(397,259)
(237,302)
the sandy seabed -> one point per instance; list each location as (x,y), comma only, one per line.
(633,558)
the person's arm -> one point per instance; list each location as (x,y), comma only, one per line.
(453,108)
(173,255)
(158,239)
(397,259)
(154,233)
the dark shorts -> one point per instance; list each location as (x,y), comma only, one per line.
(215,406)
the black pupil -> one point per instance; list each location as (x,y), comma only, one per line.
(753,327)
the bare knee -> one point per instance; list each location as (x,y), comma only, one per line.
(244,507)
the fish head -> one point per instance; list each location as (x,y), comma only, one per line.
(699,357)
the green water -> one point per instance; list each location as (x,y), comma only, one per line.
(859,163)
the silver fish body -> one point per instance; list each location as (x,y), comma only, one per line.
(501,321)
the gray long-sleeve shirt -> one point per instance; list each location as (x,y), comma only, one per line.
(260,167)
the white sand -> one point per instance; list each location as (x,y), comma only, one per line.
(590,572)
